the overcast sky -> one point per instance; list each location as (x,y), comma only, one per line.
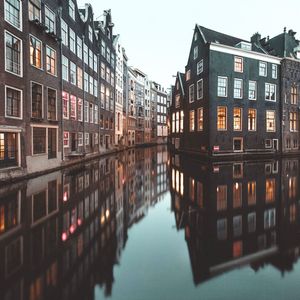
(157,34)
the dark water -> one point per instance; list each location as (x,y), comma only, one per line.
(147,224)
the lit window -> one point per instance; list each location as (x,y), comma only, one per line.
(237,195)
(293,121)
(191,93)
(252,90)
(13,102)
(66,139)
(13,10)
(270,190)
(13,50)
(35,52)
(262,68)
(238,88)
(251,119)
(237,119)
(270,121)
(181,121)
(73,107)
(177,121)
(294,94)
(200,67)
(292,187)
(192,120)
(200,119)
(188,75)
(252,193)
(221,197)
(50,61)
(200,89)
(79,77)
(238,64)
(222,118)
(270,92)
(222,86)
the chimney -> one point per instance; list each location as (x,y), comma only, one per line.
(255,38)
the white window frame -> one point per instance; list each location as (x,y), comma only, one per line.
(255,83)
(191,87)
(50,11)
(270,85)
(31,97)
(66,146)
(71,8)
(65,29)
(72,40)
(200,67)
(235,70)
(274,71)
(226,86)
(55,74)
(20,16)
(201,83)
(241,89)
(21,106)
(80,139)
(266,69)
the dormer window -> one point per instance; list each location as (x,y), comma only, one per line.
(188,75)
(72,9)
(196,52)
(34,8)
(90,33)
(196,36)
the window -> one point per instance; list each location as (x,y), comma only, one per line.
(72,9)
(13,102)
(252,90)
(221,197)
(270,121)
(65,68)
(188,75)
(251,192)
(91,59)
(237,195)
(200,67)
(34,8)
(238,88)
(293,121)
(262,68)
(96,114)
(79,108)
(79,77)
(79,47)
(87,138)
(72,45)
(222,86)
(90,33)
(238,64)
(86,111)
(181,121)
(192,120)
(200,119)
(270,190)
(73,73)
(91,113)
(108,54)
(95,63)
(80,139)
(270,92)
(91,85)
(50,60)
(13,54)
(237,119)
(73,107)
(251,119)
(86,54)
(50,20)
(195,52)
(64,33)
(237,144)
(13,13)
(103,46)
(102,72)
(66,139)
(222,118)
(294,94)
(65,98)
(86,82)
(52,105)
(38,140)
(200,89)
(35,52)
(36,100)
(191,93)
(274,71)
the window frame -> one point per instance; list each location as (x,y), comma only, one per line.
(255,98)
(200,96)
(43,113)
(238,63)
(20,15)
(21,102)
(241,89)
(223,87)
(265,74)
(55,103)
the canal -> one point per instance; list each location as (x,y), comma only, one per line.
(149,224)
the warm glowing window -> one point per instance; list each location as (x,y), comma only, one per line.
(192,120)
(294,94)
(270,190)
(221,197)
(192,189)
(177,121)
(35,52)
(237,195)
(65,98)
(237,119)
(270,121)
(251,119)
(251,192)
(292,187)
(222,118)
(238,64)
(293,121)
(173,123)
(237,249)
(200,119)
(181,121)
(293,212)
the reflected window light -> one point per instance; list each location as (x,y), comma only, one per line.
(270,190)
(237,249)
(192,189)
(221,197)
(252,193)
(237,195)
(181,184)
(292,187)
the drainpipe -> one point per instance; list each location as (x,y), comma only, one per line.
(83,100)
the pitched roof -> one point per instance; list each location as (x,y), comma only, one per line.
(211,36)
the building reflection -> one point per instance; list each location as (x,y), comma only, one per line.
(234,214)
(63,233)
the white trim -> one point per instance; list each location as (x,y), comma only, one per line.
(253,81)
(21,106)
(202,35)
(66,146)
(21,54)
(31,97)
(241,89)
(242,144)
(201,83)
(20,14)
(226,94)
(42,61)
(55,75)
(244,53)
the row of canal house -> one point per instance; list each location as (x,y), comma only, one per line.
(237,96)
(66,87)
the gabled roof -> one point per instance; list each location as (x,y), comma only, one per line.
(212,36)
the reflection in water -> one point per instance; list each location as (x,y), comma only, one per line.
(234,214)
(61,234)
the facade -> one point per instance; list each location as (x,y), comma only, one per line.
(131,108)
(231,98)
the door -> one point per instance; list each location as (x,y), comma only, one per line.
(52,143)
(238,144)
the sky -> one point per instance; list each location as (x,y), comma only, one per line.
(157,34)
